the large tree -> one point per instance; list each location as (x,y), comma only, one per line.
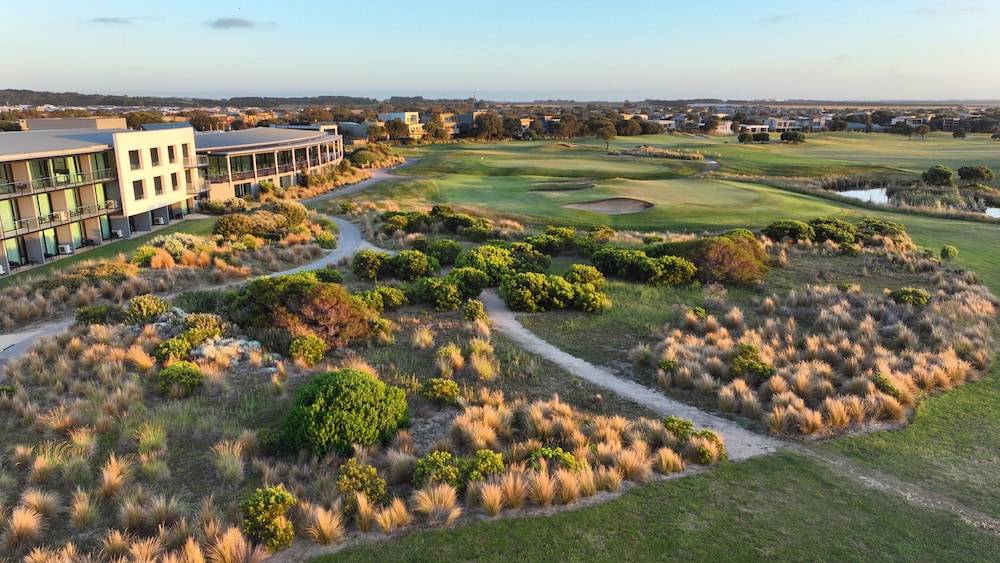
(939,176)
(202,121)
(376,132)
(606,132)
(923,130)
(512,127)
(137,119)
(397,129)
(959,133)
(436,130)
(976,174)
(488,125)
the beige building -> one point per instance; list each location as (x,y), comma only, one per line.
(238,161)
(64,189)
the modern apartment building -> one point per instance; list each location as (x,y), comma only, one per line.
(62,190)
(238,161)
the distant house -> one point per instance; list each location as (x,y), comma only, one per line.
(782,124)
(466,121)
(410,118)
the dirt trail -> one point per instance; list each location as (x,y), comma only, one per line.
(740,443)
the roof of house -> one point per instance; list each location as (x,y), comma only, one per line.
(22,145)
(257,138)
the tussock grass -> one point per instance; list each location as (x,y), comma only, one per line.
(232,547)
(666,461)
(45,503)
(491,498)
(393,516)
(514,485)
(809,422)
(439,503)
(82,511)
(568,485)
(364,514)
(835,412)
(24,527)
(228,461)
(325,527)
(114,476)
(610,478)
(542,488)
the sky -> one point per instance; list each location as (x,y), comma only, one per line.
(514,50)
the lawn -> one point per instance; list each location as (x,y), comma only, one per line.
(782,507)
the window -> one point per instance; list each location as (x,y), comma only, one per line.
(133,160)
(242,190)
(140,193)
(171,154)
(185,151)
(158,185)
(174,182)
(154,156)
(285,181)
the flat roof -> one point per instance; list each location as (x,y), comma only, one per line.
(257,138)
(23,145)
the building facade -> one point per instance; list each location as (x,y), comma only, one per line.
(65,189)
(238,161)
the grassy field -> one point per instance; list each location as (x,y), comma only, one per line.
(782,507)
(949,448)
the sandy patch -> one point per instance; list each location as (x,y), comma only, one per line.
(564,145)
(611,206)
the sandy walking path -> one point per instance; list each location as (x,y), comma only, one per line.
(740,443)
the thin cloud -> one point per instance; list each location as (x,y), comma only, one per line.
(777,18)
(112,21)
(231,23)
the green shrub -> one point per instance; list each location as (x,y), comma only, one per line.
(181,378)
(338,409)
(790,229)
(746,362)
(348,207)
(885,385)
(948,252)
(484,464)
(587,298)
(440,390)
(912,295)
(680,427)
(264,517)
(470,281)
(173,349)
(143,256)
(196,336)
(836,230)
(308,348)
(583,273)
(603,233)
(294,212)
(441,293)
(496,262)
(325,240)
(329,275)
(142,309)
(555,457)
(667,271)
(445,251)
(528,259)
(705,455)
(99,314)
(370,264)
(739,260)
(871,226)
(548,244)
(234,225)
(210,323)
(412,264)
(437,467)
(7,390)
(364,479)
(473,310)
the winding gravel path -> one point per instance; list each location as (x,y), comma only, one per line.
(740,443)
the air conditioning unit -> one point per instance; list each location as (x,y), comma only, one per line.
(111,204)
(159,220)
(65,249)
(117,233)
(60,216)
(2,270)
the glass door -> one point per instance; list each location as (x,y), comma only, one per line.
(49,242)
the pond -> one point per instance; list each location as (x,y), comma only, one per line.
(879,196)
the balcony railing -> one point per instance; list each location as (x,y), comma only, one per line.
(195,162)
(56,218)
(199,187)
(60,181)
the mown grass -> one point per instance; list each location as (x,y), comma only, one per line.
(199,227)
(768,508)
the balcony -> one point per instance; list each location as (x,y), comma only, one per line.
(195,162)
(199,187)
(56,182)
(57,218)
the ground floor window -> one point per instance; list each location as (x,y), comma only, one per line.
(285,181)
(105,227)
(243,190)
(16,251)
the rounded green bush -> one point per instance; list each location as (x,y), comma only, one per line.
(444,250)
(329,275)
(308,348)
(833,229)
(173,349)
(264,517)
(364,479)
(484,464)
(496,262)
(912,295)
(143,256)
(412,264)
(440,390)
(325,240)
(338,409)
(583,273)
(184,376)
(948,252)
(295,213)
(370,264)
(437,467)
(142,309)
(473,310)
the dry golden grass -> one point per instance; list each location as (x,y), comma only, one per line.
(728,401)
(438,502)
(835,412)
(514,486)
(542,488)
(635,464)
(46,503)
(114,476)
(393,516)
(24,526)
(491,498)
(232,547)
(364,515)
(777,419)
(325,526)
(422,338)
(666,461)
(568,486)
(809,422)
(610,478)
(228,461)
(82,511)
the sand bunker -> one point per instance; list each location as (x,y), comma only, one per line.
(612,206)
(563,145)
(558,186)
